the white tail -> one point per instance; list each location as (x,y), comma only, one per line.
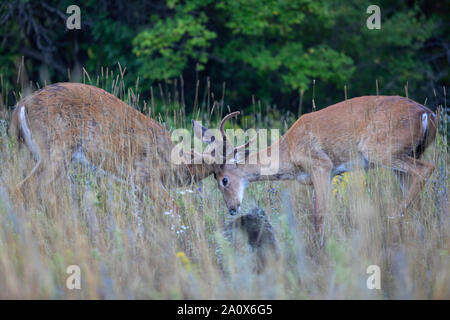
(357,133)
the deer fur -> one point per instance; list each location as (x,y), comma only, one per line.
(72,122)
(388,131)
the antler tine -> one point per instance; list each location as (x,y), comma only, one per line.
(222,123)
(249,142)
(244,147)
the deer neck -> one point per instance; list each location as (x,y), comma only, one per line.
(271,163)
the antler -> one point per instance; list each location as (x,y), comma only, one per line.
(202,133)
(224,136)
(245,147)
(222,123)
(249,142)
(238,149)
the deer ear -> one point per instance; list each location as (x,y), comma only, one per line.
(202,133)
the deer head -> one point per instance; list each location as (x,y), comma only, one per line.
(227,161)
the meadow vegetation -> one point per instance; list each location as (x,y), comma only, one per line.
(128,247)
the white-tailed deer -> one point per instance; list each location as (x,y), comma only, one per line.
(361,132)
(72,122)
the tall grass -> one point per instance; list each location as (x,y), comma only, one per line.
(128,249)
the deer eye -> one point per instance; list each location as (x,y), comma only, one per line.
(224,182)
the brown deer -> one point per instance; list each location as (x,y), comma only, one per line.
(361,132)
(72,122)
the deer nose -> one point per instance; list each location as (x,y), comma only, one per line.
(234,211)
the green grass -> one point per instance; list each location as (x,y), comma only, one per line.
(126,250)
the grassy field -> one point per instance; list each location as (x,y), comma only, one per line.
(127,248)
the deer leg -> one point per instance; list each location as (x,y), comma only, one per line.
(23,186)
(403,180)
(320,177)
(320,166)
(40,183)
(418,172)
